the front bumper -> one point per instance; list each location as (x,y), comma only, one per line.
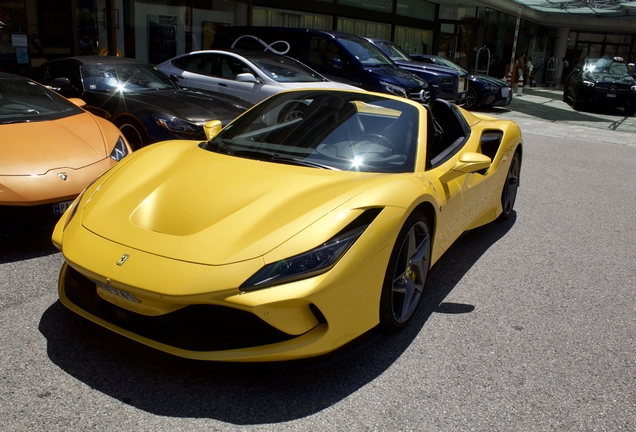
(207,317)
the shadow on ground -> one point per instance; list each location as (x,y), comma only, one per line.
(245,394)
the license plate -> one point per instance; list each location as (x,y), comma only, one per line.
(119,293)
(611,95)
(60,207)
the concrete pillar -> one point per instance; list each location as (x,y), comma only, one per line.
(560,47)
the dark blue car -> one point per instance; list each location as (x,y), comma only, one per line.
(483,90)
(444,82)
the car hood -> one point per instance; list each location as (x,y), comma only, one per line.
(415,65)
(37,147)
(177,200)
(190,105)
(489,80)
(403,78)
(608,78)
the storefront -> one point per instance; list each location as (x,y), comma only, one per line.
(157,30)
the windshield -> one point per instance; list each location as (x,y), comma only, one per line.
(367,53)
(606,65)
(393,51)
(22,100)
(124,77)
(326,129)
(284,69)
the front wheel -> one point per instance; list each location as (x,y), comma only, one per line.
(510,187)
(406,273)
(471,98)
(134,133)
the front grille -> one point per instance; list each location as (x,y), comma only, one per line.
(16,217)
(423,96)
(195,327)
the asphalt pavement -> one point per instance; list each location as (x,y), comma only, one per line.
(526,325)
(542,111)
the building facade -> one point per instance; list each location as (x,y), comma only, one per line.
(476,37)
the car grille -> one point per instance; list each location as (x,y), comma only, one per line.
(423,96)
(195,327)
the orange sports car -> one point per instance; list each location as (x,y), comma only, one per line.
(50,150)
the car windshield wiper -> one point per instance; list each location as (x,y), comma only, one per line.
(300,162)
(218,146)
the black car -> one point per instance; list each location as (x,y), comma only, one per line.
(444,82)
(142,101)
(606,81)
(483,90)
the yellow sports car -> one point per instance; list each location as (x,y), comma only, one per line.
(306,223)
(50,150)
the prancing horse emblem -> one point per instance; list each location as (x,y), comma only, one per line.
(122,260)
(63,176)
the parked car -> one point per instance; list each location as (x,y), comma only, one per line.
(50,150)
(143,102)
(444,82)
(601,81)
(250,75)
(325,227)
(338,56)
(483,90)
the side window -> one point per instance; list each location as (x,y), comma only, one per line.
(230,67)
(318,51)
(63,71)
(199,64)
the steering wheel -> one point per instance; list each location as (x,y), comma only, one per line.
(377,139)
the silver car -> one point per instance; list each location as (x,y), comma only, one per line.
(250,75)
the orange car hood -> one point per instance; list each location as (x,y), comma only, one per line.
(35,148)
(179,201)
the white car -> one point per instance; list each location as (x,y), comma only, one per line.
(250,75)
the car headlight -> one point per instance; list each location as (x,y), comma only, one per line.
(393,89)
(494,89)
(588,83)
(634,88)
(306,265)
(120,150)
(175,125)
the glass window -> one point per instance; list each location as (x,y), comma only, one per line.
(414,41)
(231,67)
(376,5)
(364,28)
(197,63)
(282,18)
(419,9)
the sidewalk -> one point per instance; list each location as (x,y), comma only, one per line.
(541,111)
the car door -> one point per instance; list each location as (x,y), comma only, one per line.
(196,71)
(226,69)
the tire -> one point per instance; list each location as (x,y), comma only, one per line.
(406,273)
(510,187)
(576,101)
(630,111)
(134,133)
(472,98)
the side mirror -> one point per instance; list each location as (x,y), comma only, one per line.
(61,82)
(212,128)
(77,101)
(468,162)
(335,63)
(246,77)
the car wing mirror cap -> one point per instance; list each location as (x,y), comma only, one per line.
(61,82)
(336,63)
(468,162)
(212,128)
(246,77)
(77,101)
